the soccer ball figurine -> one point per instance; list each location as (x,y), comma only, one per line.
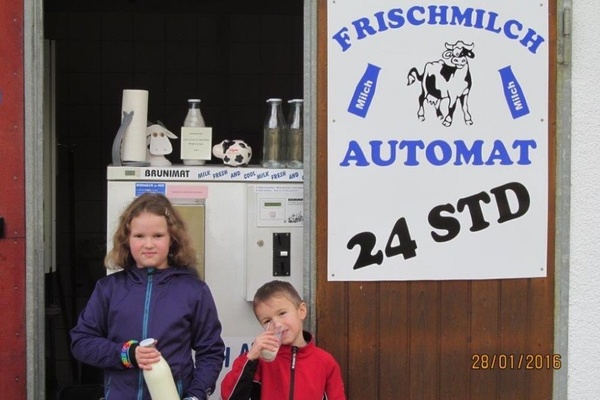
(235,153)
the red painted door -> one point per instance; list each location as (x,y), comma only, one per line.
(13,379)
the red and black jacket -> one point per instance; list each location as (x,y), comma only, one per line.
(297,373)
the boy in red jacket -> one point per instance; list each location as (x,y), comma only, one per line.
(300,371)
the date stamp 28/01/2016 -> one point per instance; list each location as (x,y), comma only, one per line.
(531,362)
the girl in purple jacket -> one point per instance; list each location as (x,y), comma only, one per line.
(156,293)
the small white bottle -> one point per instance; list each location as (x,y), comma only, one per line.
(194,119)
(159,379)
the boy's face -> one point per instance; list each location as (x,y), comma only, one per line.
(281,312)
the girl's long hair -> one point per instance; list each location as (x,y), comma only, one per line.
(181,251)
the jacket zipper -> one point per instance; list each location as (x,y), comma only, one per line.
(147,303)
(145,324)
(293,372)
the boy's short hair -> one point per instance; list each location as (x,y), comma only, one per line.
(276,288)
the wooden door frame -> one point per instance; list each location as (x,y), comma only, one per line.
(333,300)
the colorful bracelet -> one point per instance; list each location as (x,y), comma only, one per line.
(125,353)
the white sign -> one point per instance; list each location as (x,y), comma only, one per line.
(196,143)
(222,173)
(437,139)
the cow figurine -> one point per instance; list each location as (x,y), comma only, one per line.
(158,145)
(235,153)
(449,79)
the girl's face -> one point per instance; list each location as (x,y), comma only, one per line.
(279,311)
(149,241)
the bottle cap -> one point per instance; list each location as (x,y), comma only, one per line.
(194,100)
(273,99)
(296,101)
(150,342)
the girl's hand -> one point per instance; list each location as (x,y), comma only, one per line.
(146,356)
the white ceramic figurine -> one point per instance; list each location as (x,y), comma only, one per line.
(158,145)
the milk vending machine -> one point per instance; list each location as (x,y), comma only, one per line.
(246,225)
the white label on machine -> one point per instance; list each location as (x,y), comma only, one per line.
(279,205)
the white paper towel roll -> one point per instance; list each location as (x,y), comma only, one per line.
(133,148)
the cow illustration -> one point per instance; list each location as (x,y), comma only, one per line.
(449,79)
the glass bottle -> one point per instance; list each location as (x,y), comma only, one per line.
(194,119)
(274,136)
(159,379)
(295,138)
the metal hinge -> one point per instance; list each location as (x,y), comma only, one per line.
(564,42)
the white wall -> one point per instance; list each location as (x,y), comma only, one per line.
(584,286)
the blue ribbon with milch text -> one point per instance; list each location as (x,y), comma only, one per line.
(515,98)
(364,92)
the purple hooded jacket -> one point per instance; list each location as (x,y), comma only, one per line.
(170,305)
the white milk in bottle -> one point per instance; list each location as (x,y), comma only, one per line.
(159,379)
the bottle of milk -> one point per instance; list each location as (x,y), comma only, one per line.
(193,119)
(159,379)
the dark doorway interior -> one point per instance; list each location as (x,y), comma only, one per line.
(232,54)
